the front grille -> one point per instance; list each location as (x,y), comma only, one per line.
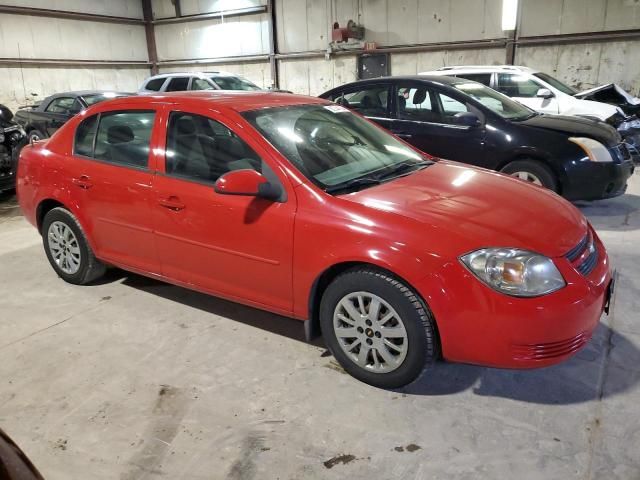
(584,256)
(542,351)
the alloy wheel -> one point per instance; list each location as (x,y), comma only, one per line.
(64,247)
(527,177)
(370,332)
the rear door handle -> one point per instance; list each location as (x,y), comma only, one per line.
(83,182)
(172,203)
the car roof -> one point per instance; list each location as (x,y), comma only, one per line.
(86,93)
(191,74)
(480,68)
(237,100)
(435,79)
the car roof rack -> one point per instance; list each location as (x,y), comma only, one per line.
(503,67)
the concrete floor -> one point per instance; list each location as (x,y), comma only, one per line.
(134,379)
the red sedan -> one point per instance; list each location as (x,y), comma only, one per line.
(298,206)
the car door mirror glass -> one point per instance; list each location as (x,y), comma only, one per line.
(544,93)
(248,183)
(468,119)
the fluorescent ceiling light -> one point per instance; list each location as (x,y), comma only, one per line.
(509,14)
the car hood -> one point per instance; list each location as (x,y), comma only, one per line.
(616,92)
(467,208)
(575,127)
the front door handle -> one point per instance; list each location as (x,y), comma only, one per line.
(172,203)
(83,182)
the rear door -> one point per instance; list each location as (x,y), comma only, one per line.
(235,246)
(424,117)
(110,177)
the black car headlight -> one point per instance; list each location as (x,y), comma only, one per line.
(596,151)
(515,272)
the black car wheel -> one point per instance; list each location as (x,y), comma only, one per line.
(67,248)
(35,135)
(377,328)
(532,171)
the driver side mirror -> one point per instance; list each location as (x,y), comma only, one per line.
(248,183)
(544,93)
(468,119)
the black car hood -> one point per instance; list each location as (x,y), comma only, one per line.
(576,127)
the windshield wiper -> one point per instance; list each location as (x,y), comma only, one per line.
(353,185)
(402,168)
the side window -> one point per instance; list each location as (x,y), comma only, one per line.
(60,105)
(199,148)
(155,84)
(200,84)
(516,85)
(484,78)
(178,84)
(372,102)
(123,137)
(414,103)
(450,107)
(85,133)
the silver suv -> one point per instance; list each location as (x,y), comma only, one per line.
(176,82)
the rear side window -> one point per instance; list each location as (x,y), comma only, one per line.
(370,102)
(483,78)
(414,103)
(121,138)
(178,84)
(85,133)
(155,84)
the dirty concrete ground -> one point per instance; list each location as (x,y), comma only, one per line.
(132,378)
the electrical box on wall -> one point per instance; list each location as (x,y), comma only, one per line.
(373,65)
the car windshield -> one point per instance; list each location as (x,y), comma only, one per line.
(495,101)
(555,83)
(99,97)
(333,147)
(229,82)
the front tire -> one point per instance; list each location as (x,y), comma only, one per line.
(67,248)
(532,171)
(377,328)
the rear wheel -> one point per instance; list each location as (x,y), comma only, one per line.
(35,135)
(377,328)
(532,171)
(67,248)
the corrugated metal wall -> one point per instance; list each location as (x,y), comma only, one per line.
(34,37)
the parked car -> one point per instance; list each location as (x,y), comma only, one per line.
(43,119)
(11,138)
(462,120)
(298,206)
(176,82)
(546,94)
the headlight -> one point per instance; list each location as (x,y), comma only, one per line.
(596,151)
(514,272)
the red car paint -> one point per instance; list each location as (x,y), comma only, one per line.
(271,255)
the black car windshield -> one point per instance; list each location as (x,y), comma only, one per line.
(100,97)
(495,101)
(555,83)
(334,147)
(228,82)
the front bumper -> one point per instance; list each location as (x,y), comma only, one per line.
(595,181)
(481,326)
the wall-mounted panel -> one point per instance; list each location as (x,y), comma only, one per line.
(116,8)
(27,85)
(24,36)
(213,38)
(257,72)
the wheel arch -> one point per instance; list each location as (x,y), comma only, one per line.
(312,324)
(44,207)
(559,174)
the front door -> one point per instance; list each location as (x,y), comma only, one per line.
(239,247)
(425,119)
(525,90)
(110,178)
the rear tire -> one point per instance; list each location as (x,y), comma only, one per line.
(34,135)
(532,171)
(384,353)
(67,248)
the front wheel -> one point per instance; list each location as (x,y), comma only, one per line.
(532,171)
(377,328)
(67,248)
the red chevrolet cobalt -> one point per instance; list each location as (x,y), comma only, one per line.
(298,206)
